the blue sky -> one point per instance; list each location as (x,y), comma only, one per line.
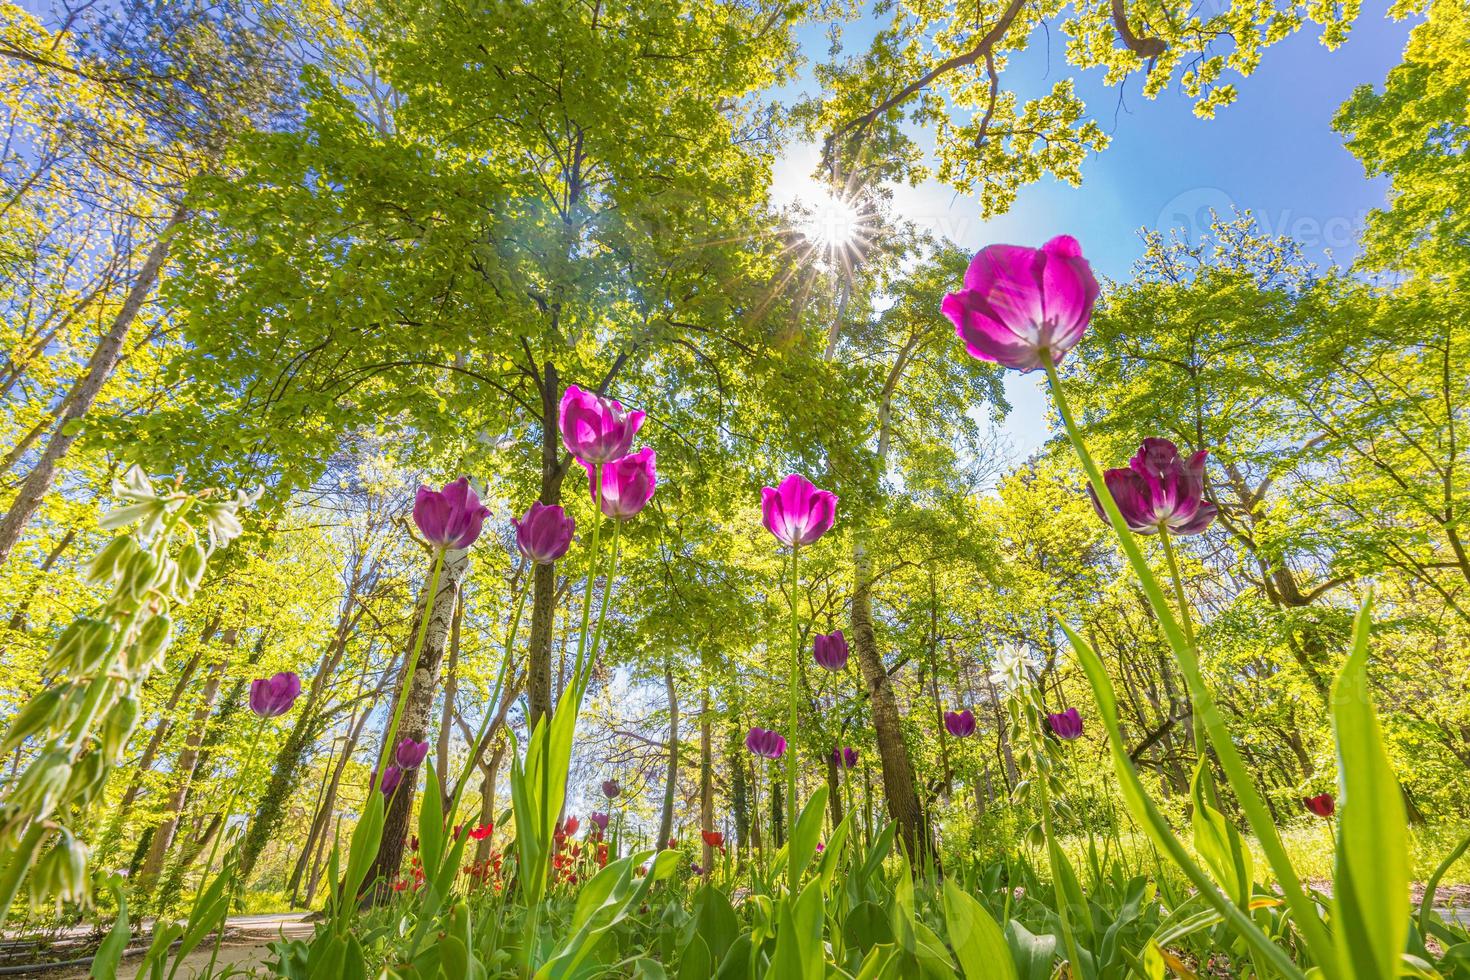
(1273,152)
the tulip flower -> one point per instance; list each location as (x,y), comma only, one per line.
(392,776)
(482,831)
(796,512)
(569,828)
(695,869)
(830,650)
(1022,305)
(594,429)
(545,533)
(449,518)
(960,724)
(845,758)
(611,789)
(1066,725)
(410,754)
(1323,805)
(627,484)
(599,820)
(274,697)
(1159,491)
(766,744)
(714,838)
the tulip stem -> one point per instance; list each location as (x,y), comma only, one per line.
(505,662)
(1196,723)
(792,873)
(413,663)
(1304,910)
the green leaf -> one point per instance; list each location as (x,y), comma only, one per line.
(808,831)
(1372,875)
(109,954)
(1220,844)
(800,953)
(715,922)
(363,850)
(978,943)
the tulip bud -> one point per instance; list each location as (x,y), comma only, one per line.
(153,640)
(118,727)
(115,555)
(61,874)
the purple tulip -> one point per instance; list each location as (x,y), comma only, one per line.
(1066,725)
(273,697)
(846,758)
(545,533)
(627,484)
(796,512)
(830,650)
(766,744)
(392,776)
(1158,490)
(596,429)
(599,820)
(1021,304)
(449,518)
(695,869)
(611,789)
(410,754)
(960,724)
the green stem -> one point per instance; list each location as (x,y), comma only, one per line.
(612,574)
(1186,622)
(1304,911)
(791,751)
(214,853)
(505,662)
(413,663)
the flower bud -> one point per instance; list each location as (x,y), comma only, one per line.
(118,727)
(82,646)
(61,874)
(42,787)
(87,778)
(139,575)
(191,570)
(153,640)
(32,719)
(114,556)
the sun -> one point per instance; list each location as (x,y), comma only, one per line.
(833,222)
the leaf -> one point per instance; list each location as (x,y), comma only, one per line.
(1032,954)
(1220,844)
(363,850)
(715,922)
(109,954)
(808,831)
(1371,883)
(800,953)
(978,943)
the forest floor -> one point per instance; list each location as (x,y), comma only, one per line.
(246,944)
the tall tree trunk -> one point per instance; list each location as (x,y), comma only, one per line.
(671,777)
(706,778)
(739,799)
(84,394)
(487,800)
(183,773)
(543,586)
(415,720)
(898,771)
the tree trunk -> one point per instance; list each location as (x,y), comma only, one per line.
(671,778)
(898,771)
(739,799)
(183,773)
(487,801)
(706,779)
(84,394)
(415,721)
(543,586)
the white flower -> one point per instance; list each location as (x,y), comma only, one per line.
(1010,666)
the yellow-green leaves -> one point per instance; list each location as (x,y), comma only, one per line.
(1219,843)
